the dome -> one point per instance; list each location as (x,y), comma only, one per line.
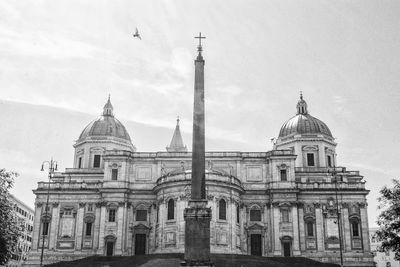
(303,123)
(106,126)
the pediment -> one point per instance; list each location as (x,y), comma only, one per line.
(255,226)
(141,226)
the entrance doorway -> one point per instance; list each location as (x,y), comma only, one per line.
(286,249)
(255,243)
(109,248)
(140,244)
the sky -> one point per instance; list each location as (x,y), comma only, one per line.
(59,61)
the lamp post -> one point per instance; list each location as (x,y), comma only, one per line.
(52,166)
(338,216)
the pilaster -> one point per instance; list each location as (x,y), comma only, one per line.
(319,223)
(129,235)
(346,230)
(364,228)
(96,228)
(102,226)
(120,216)
(296,247)
(55,215)
(79,226)
(36,226)
(276,231)
(302,234)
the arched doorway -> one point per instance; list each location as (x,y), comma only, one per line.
(110,245)
(286,246)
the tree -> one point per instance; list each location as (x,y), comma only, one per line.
(10,228)
(389,219)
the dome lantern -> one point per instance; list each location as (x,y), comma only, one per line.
(301,105)
(108,108)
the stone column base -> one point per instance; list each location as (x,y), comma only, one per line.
(197,234)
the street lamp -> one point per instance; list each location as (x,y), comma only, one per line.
(52,166)
(338,216)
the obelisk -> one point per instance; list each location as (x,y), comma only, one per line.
(198,215)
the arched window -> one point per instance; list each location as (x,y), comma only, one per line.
(222,209)
(171,209)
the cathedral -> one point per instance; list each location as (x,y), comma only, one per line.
(290,201)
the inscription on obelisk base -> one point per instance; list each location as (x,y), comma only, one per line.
(198,215)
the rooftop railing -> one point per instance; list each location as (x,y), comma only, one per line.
(209,177)
(69,185)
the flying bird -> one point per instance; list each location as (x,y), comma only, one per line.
(136,34)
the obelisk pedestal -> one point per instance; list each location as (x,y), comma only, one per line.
(197,234)
(198,216)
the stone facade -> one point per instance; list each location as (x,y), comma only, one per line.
(117,201)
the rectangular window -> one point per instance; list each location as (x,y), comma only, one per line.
(114,174)
(141,215)
(310,229)
(283,175)
(255,215)
(354,226)
(111,215)
(80,162)
(88,229)
(329,161)
(237,213)
(310,159)
(45,229)
(285,215)
(90,207)
(96,161)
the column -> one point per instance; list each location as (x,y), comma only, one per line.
(276,231)
(319,225)
(295,218)
(302,234)
(346,229)
(101,230)
(364,227)
(120,216)
(96,228)
(36,226)
(55,216)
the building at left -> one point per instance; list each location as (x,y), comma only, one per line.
(25,218)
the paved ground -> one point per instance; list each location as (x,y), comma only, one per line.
(173,260)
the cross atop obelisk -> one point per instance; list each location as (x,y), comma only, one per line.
(199,47)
